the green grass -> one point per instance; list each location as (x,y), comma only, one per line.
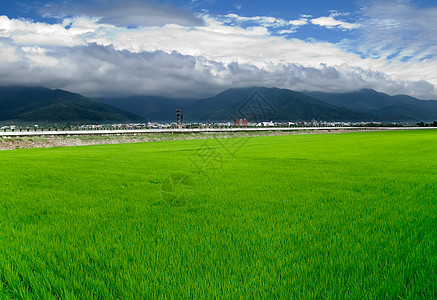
(303,216)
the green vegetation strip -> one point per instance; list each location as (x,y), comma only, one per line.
(299,216)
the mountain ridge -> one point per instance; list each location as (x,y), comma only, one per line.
(285,105)
(33,104)
(384,107)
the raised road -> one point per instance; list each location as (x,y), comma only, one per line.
(52,132)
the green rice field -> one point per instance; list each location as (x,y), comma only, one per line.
(329,216)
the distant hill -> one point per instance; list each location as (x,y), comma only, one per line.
(384,107)
(32,104)
(256,104)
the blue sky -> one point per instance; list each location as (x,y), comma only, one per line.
(277,9)
(200,47)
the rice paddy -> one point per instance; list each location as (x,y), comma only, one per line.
(350,215)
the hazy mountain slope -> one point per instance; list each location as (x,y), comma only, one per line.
(30,104)
(279,105)
(383,106)
(282,105)
(150,107)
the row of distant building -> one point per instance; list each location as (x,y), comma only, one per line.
(245,123)
(161,125)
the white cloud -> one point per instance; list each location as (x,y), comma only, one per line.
(288,31)
(25,32)
(8,51)
(125,12)
(330,22)
(394,26)
(299,22)
(39,56)
(264,21)
(261,20)
(226,44)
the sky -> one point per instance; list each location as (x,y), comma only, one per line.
(198,48)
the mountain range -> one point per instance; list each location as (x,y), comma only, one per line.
(275,104)
(36,104)
(265,104)
(255,104)
(382,106)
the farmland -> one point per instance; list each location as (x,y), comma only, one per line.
(351,215)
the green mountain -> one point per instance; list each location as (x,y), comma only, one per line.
(32,104)
(384,107)
(255,104)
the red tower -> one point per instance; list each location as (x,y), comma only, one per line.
(178,115)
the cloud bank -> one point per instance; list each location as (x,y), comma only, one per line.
(89,54)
